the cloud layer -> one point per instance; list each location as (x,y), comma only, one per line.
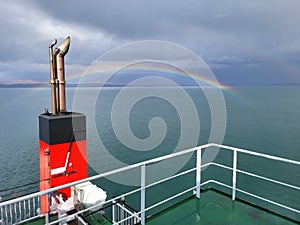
(262,37)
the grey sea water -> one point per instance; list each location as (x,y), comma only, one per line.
(259,118)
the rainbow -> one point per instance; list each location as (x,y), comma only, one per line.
(150,68)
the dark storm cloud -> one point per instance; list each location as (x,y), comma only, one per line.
(225,33)
(260,24)
(125,19)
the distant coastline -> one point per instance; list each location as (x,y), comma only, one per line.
(39,85)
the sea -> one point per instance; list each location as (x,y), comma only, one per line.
(147,122)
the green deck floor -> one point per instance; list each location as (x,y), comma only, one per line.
(92,219)
(215,208)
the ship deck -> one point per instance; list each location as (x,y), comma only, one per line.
(213,208)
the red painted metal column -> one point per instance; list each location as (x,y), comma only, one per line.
(63,154)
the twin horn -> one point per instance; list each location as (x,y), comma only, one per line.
(57,75)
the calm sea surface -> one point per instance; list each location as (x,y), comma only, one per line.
(263,119)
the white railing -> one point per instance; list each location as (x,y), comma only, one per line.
(12,211)
(123,215)
(25,209)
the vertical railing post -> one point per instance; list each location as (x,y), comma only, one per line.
(143,196)
(234,174)
(113,212)
(198,172)
(47,218)
(1,214)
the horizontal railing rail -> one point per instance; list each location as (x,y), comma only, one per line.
(123,215)
(13,212)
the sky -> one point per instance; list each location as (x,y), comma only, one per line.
(243,42)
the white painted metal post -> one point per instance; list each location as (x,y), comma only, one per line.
(234,174)
(113,212)
(1,213)
(198,172)
(143,196)
(47,218)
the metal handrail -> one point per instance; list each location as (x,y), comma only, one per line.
(130,218)
(12,203)
(276,158)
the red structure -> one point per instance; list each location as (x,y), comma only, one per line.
(62,134)
(63,156)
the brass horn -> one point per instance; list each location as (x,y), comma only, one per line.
(59,54)
(53,77)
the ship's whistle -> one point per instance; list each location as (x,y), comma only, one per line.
(57,75)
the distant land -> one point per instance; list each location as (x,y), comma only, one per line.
(39,85)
